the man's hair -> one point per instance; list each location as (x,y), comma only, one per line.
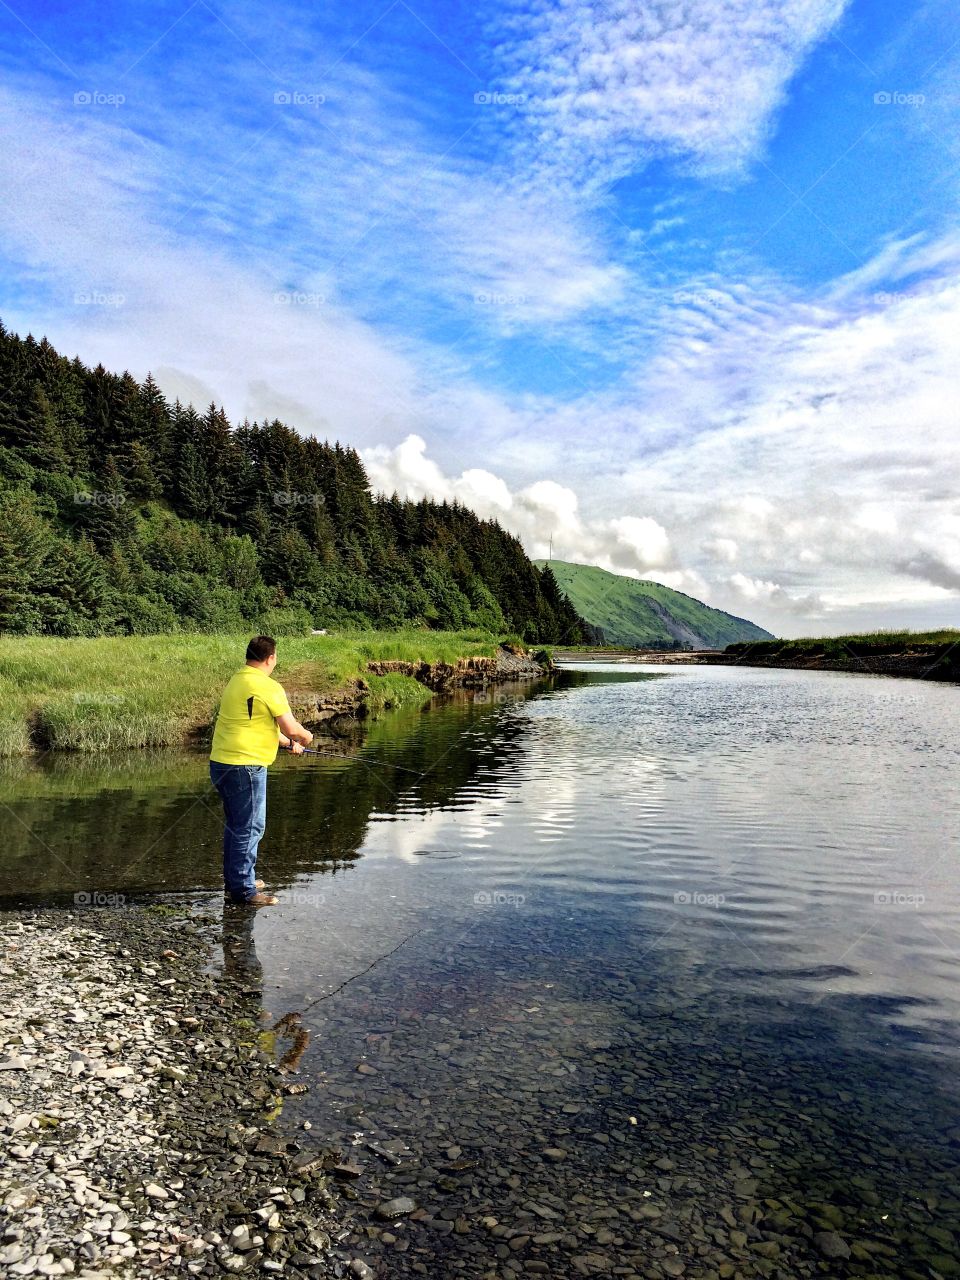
(260,648)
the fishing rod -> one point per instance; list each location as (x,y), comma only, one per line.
(338,755)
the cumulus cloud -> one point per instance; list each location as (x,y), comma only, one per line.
(725,550)
(539,513)
(754,591)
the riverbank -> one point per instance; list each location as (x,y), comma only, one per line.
(156,691)
(931,655)
(139,1103)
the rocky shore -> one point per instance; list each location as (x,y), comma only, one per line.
(138,1104)
(341,707)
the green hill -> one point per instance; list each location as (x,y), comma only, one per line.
(646,615)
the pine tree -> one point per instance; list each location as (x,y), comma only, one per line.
(40,438)
(106,517)
(25,542)
(154,430)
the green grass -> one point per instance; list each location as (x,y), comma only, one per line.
(860,644)
(152,691)
(638,614)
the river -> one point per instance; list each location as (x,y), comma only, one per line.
(639,969)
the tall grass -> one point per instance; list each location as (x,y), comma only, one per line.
(151,691)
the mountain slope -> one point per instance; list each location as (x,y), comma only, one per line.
(645,614)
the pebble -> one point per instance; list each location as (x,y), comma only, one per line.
(397,1207)
(79,1180)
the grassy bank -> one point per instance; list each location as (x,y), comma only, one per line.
(867,644)
(151,691)
(923,655)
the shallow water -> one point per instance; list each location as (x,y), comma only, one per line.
(696,934)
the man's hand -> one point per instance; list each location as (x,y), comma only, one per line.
(291,728)
(296,748)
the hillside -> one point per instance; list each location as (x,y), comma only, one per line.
(645,614)
(122,513)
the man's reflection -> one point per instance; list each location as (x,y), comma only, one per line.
(240,959)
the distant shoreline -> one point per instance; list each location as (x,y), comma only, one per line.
(940,662)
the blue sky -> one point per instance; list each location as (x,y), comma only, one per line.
(675,283)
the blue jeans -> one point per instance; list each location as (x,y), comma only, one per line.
(243,790)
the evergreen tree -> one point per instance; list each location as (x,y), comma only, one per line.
(154,431)
(106,518)
(26,540)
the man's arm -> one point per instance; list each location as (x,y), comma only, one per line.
(291,728)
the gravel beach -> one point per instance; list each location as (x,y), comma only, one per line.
(138,1103)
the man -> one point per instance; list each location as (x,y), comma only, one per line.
(253,722)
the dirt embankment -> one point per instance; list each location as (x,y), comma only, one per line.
(350,703)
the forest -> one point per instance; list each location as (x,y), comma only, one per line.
(121,513)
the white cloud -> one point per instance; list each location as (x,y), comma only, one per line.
(804,472)
(644,540)
(608,87)
(538,513)
(725,550)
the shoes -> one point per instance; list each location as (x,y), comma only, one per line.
(262,900)
(260,884)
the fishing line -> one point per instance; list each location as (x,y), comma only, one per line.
(359,759)
(354,976)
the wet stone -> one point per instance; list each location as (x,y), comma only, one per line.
(831,1245)
(397,1207)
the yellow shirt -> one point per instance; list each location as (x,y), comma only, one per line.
(246,731)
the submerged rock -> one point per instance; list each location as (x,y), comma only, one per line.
(397,1207)
(831,1244)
